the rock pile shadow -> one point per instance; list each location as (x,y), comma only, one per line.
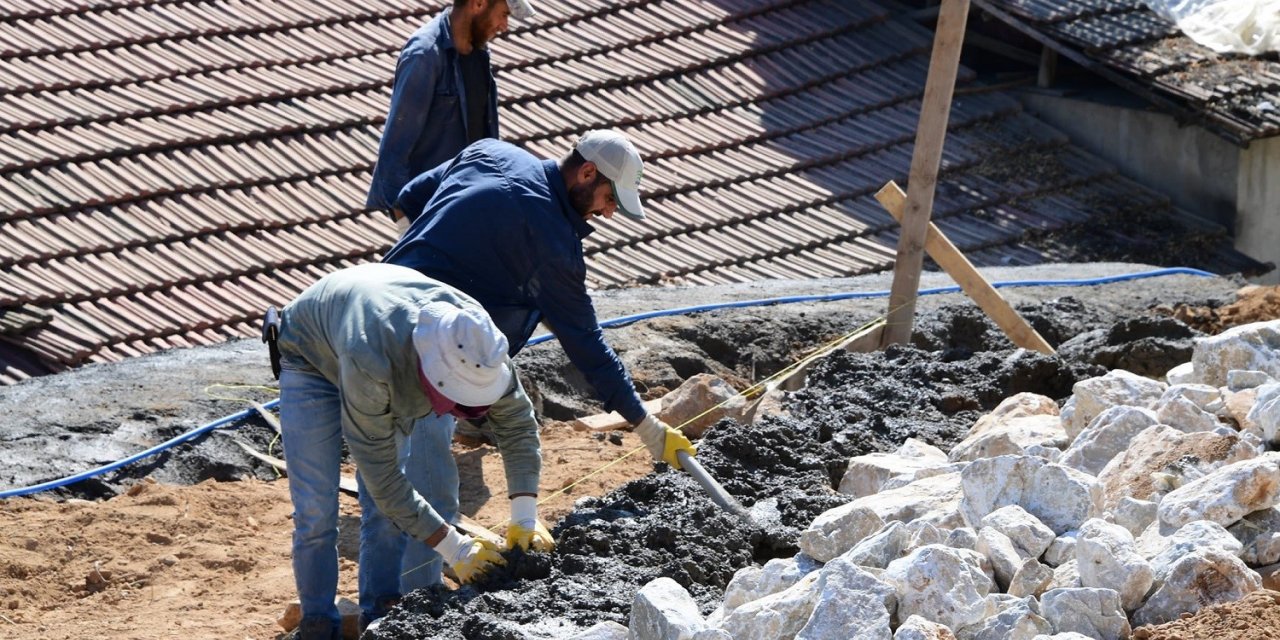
(783,469)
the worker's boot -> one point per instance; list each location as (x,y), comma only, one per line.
(317,629)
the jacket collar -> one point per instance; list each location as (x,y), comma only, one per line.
(556,180)
(445,40)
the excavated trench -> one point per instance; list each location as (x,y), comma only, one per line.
(958,367)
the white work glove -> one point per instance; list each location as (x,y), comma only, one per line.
(663,442)
(469,557)
(402,225)
(525,531)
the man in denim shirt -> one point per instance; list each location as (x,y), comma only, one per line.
(506,228)
(444,96)
(365,352)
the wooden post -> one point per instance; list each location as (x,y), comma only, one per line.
(935,108)
(961,270)
(1048,72)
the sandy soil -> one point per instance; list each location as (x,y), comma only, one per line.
(212,560)
(1256,617)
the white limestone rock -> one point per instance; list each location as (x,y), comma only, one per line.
(1184,373)
(880,548)
(1060,497)
(780,615)
(1135,515)
(1259,532)
(603,631)
(851,603)
(940,584)
(904,479)
(1239,380)
(1164,551)
(1019,405)
(1108,558)
(837,530)
(1019,621)
(1206,397)
(867,474)
(1160,458)
(1031,579)
(712,634)
(1250,347)
(663,610)
(918,628)
(1225,495)
(1093,613)
(1183,415)
(1070,635)
(1002,555)
(962,538)
(922,532)
(935,499)
(1066,575)
(917,448)
(1062,549)
(1028,534)
(1202,578)
(1106,436)
(1011,437)
(1263,420)
(1093,396)
(753,583)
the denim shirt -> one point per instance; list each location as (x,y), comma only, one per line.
(355,328)
(496,222)
(427,122)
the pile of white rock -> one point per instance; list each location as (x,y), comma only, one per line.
(1137,502)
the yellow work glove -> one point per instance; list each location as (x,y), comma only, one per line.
(525,531)
(469,557)
(663,442)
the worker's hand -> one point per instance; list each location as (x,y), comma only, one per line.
(525,531)
(469,557)
(663,442)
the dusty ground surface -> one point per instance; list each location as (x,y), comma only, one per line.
(190,557)
(1256,617)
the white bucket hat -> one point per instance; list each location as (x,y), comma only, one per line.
(617,159)
(462,354)
(520,9)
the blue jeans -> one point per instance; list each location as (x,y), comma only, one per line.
(310,419)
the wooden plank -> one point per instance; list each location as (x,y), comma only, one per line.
(345,483)
(944,64)
(962,271)
(476,530)
(612,420)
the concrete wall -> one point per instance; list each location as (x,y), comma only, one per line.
(1194,168)
(1258,204)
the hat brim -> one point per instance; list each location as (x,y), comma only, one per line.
(520,9)
(628,202)
(437,371)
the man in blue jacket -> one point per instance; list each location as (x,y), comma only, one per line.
(506,228)
(444,96)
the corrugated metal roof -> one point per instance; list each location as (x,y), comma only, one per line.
(169,168)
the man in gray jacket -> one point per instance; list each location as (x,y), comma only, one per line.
(366,351)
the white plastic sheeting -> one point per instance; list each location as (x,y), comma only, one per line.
(1250,27)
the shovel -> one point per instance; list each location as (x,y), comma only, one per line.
(714,490)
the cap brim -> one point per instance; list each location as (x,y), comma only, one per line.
(628,202)
(520,9)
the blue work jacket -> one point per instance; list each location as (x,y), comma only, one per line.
(496,223)
(427,122)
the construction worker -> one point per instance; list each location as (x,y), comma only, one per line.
(444,96)
(364,352)
(506,227)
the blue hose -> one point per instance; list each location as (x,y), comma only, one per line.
(618,322)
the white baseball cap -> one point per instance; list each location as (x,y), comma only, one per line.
(520,9)
(462,354)
(616,158)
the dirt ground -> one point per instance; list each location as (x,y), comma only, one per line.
(176,549)
(212,560)
(1256,617)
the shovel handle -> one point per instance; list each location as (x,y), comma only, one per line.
(716,492)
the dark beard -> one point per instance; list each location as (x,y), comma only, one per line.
(581,195)
(480,27)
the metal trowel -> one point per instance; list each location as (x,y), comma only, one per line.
(714,490)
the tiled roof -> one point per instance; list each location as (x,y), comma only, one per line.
(169,168)
(1236,96)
